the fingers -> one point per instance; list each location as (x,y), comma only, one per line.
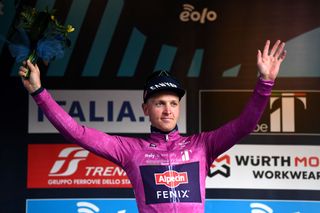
(36,68)
(275,48)
(31,66)
(283,55)
(280,50)
(28,67)
(266,49)
(22,71)
(259,57)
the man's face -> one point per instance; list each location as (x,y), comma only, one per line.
(163,110)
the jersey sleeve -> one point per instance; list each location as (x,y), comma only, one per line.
(113,148)
(220,140)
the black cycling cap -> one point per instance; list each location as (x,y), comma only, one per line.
(161,80)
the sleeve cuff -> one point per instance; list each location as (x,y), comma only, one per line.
(269,82)
(38,91)
(264,87)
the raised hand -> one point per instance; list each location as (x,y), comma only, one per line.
(269,61)
(33,82)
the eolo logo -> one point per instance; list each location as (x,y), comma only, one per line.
(190,14)
(282,112)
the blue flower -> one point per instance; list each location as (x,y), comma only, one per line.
(19,46)
(49,49)
(19,52)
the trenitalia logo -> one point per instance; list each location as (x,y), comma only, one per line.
(77,154)
(70,166)
(221,166)
(287,112)
(171,178)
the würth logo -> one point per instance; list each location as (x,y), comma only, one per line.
(171,178)
(68,162)
(220,166)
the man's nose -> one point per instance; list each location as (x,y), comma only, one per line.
(167,109)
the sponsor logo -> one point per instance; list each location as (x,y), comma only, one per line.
(266,161)
(150,156)
(282,112)
(69,166)
(190,14)
(260,208)
(287,167)
(78,154)
(183,144)
(164,184)
(221,166)
(175,194)
(287,113)
(129,205)
(171,178)
(81,206)
(86,207)
(185,155)
(153,145)
(163,84)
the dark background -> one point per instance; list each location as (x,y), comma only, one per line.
(240,29)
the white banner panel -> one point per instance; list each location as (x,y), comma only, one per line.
(267,167)
(111,111)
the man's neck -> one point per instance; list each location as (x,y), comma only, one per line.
(156,130)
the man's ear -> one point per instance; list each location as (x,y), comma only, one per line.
(145,109)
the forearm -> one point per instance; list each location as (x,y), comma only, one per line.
(61,120)
(100,143)
(65,124)
(254,109)
(226,136)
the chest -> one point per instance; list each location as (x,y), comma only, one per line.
(166,154)
(169,175)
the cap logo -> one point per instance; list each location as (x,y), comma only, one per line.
(159,81)
(162,84)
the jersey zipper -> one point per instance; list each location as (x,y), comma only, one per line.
(170,168)
(166,137)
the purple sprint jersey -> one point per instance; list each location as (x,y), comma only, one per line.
(167,171)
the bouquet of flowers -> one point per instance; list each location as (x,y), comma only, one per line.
(38,35)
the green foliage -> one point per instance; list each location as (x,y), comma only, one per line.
(40,24)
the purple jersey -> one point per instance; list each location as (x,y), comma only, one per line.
(167,171)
